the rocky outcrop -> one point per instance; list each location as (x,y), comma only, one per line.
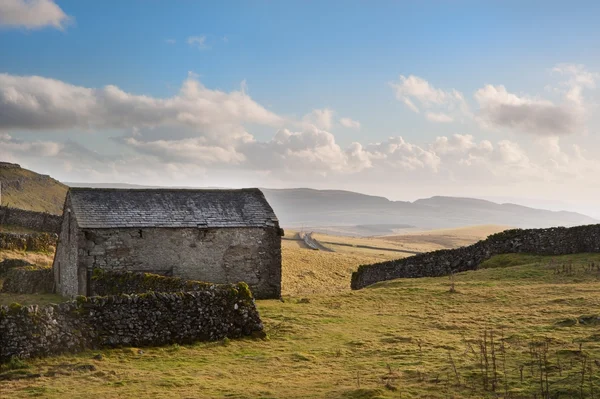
(552,241)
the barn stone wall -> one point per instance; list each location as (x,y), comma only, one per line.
(211,313)
(66,274)
(221,255)
(552,241)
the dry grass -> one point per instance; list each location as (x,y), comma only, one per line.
(390,340)
(432,240)
(358,241)
(421,241)
(306,271)
(36,258)
(7,228)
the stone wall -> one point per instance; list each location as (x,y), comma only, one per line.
(151,319)
(104,282)
(65,265)
(40,242)
(222,255)
(38,221)
(552,241)
(9,263)
(28,280)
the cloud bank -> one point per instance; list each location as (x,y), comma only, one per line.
(498,108)
(202,136)
(32,14)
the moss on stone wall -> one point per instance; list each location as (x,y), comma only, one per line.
(155,318)
(105,282)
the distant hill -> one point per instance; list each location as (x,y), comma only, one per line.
(320,208)
(22,188)
(366,214)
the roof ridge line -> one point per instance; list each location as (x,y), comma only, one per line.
(250,189)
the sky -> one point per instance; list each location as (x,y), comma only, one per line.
(404,99)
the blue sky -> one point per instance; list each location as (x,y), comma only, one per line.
(304,67)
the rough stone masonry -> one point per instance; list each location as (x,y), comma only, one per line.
(212,312)
(552,241)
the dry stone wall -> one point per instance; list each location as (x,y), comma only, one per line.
(41,242)
(28,280)
(552,241)
(211,313)
(38,221)
(104,282)
(9,263)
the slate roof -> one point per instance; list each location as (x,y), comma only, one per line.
(112,208)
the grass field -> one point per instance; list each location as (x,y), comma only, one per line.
(419,241)
(306,271)
(432,240)
(409,338)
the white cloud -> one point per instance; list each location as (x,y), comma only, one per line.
(420,89)
(170,41)
(310,150)
(579,78)
(32,14)
(198,42)
(439,117)
(440,103)
(397,154)
(190,150)
(36,103)
(350,123)
(500,108)
(10,147)
(321,118)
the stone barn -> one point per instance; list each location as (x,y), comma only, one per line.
(220,236)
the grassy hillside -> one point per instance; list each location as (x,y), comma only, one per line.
(22,188)
(399,339)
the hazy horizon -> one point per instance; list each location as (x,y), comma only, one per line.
(546,204)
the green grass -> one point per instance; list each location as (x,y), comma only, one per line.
(24,299)
(394,339)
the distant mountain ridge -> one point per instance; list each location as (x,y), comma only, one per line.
(311,207)
(308,207)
